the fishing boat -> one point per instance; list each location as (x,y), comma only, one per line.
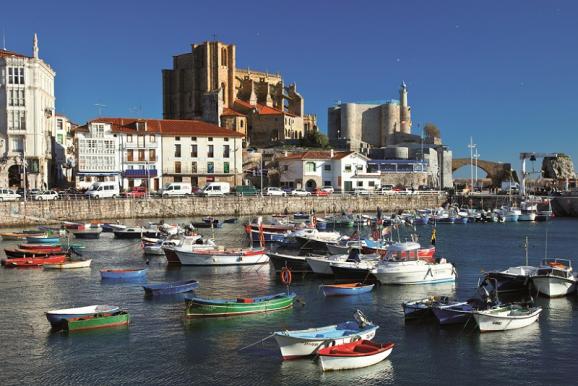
(18,252)
(512,279)
(294,262)
(129,233)
(46,247)
(207,224)
(186,244)
(346,289)
(323,265)
(422,308)
(314,239)
(56,317)
(33,261)
(170,288)
(92,322)
(200,307)
(87,232)
(353,355)
(42,240)
(109,228)
(69,265)
(21,235)
(402,265)
(222,256)
(302,343)
(123,274)
(506,317)
(555,278)
(232,220)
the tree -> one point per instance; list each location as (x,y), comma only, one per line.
(315,139)
(431,130)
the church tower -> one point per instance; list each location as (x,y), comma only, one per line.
(404,110)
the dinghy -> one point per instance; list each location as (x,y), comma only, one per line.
(423,308)
(507,317)
(170,288)
(56,317)
(347,289)
(123,274)
(92,322)
(354,355)
(69,265)
(199,307)
(33,261)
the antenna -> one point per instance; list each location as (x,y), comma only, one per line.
(99,107)
(4,39)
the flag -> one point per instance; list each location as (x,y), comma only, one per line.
(433,236)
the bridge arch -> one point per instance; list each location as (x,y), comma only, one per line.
(496,171)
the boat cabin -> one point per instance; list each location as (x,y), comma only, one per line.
(555,267)
(403,251)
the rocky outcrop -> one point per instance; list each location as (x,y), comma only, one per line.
(558,168)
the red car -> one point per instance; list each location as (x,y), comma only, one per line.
(136,192)
(319,192)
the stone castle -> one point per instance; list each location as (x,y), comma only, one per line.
(206,84)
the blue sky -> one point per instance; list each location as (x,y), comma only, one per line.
(504,72)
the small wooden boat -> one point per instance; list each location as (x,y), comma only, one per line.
(87,233)
(123,274)
(232,220)
(47,247)
(21,235)
(17,252)
(353,355)
(33,261)
(302,343)
(42,240)
(222,256)
(346,289)
(210,224)
(129,233)
(506,317)
(56,317)
(423,308)
(170,288)
(69,265)
(92,322)
(199,307)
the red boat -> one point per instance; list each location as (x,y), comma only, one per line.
(41,246)
(17,252)
(34,261)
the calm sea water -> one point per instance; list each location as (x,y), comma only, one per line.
(160,347)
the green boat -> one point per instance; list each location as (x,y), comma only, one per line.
(200,308)
(92,322)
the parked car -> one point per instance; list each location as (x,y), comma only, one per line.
(273,191)
(328,189)
(246,190)
(361,192)
(176,189)
(319,192)
(216,189)
(136,192)
(46,195)
(9,195)
(300,192)
(386,189)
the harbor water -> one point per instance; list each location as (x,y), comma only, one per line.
(161,347)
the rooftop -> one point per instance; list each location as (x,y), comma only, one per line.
(317,155)
(6,53)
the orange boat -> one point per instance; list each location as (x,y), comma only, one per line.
(33,261)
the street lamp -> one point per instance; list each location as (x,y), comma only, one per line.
(476,157)
(472,145)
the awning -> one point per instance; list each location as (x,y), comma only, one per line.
(140,173)
(97,173)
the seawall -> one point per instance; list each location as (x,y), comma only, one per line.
(45,212)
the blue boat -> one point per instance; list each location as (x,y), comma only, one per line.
(453,312)
(123,274)
(56,317)
(346,289)
(268,237)
(421,220)
(43,240)
(170,288)
(321,225)
(461,220)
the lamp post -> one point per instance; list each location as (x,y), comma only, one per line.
(476,157)
(472,145)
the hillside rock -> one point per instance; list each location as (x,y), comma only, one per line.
(558,168)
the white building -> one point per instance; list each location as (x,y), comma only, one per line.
(343,170)
(63,151)
(26,118)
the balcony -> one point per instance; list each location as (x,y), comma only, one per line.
(140,173)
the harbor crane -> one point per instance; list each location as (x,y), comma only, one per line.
(532,157)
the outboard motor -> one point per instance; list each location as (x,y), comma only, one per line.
(353,255)
(361,319)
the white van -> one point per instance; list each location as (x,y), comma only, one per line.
(105,189)
(216,189)
(177,189)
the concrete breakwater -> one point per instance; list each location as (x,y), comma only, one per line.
(45,212)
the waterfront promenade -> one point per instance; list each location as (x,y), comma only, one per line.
(45,212)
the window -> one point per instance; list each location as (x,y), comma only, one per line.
(310,167)
(371,184)
(241,123)
(348,168)
(177,166)
(152,155)
(211,152)
(152,138)
(194,151)
(178,150)
(358,167)
(21,75)
(194,167)
(226,151)
(285,168)
(141,155)
(129,138)
(130,155)
(210,167)
(326,183)
(194,139)
(59,138)
(11,75)
(360,184)
(225,167)
(210,139)
(140,140)
(327,168)
(177,138)
(178,179)
(16,144)
(226,139)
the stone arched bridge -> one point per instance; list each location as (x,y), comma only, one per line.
(497,172)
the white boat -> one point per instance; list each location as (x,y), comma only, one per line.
(512,279)
(354,355)
(322,265)
(402,265)
(508,317)
(222,256)
(302,343)
(186,244)
(69,265)
(555,278)
(529,211)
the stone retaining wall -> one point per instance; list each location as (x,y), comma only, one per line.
(36,212)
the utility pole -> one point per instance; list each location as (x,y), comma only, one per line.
(472,145)
(476,157)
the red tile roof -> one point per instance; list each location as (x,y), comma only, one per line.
(6,53)
(262,109)
(230,112)
(315,155)
(168,127)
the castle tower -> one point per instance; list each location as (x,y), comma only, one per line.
(404,110)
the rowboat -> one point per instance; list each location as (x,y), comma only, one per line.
(56,317)
(92,322)
(69,265)
(302,343)
(453,313)
(123,274)
(346,289)
(170,288)
(354,355)
(33,262)
(129,233)
(47,247)
(423,308)
(20,235)
(222,256)
(199,307)
(507,317)
(17,252)
(87,233)
(42,240)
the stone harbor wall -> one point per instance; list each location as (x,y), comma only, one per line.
(46,212)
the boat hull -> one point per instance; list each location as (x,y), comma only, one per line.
(170,288)
(487,322)
(297,264)
(452,314)
(87,235)
(337,290)
(201,308)
(120,274)
(57,317)
(401,274)
(320,265)
(33,261)
(216,257)
(69,265)
(331,362)
(552,286)
(96,322)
